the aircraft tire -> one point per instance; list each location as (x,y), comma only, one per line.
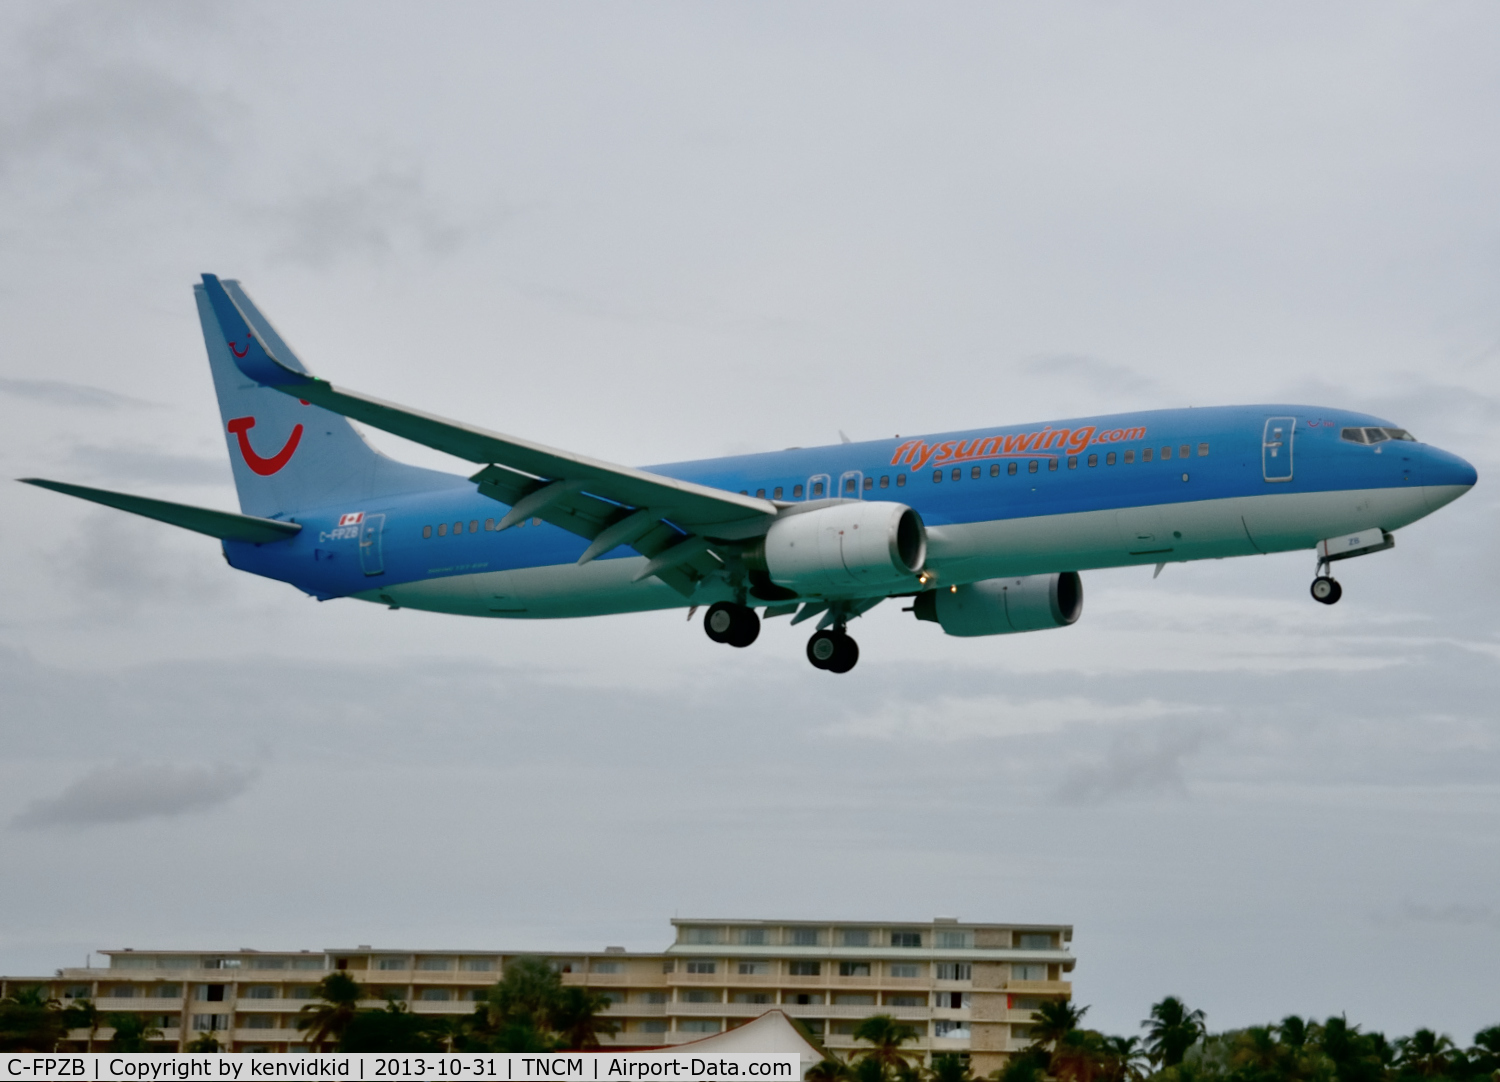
(846,657)
(822,648)
(1326,591)
(745,629)
(728,622)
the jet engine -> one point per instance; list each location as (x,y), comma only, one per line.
(1003,606)
(844,548)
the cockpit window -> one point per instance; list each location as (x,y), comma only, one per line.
(1376,435)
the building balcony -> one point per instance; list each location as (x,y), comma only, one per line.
(1053,987)
(137,1003)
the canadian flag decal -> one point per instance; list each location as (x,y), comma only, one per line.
(353,518)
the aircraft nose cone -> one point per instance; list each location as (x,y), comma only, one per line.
(1445,477)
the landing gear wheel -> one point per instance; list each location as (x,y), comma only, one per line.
(832,650)
(730,623)
(1326,590)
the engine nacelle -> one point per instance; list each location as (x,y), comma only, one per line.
(845,547)
(1004,606)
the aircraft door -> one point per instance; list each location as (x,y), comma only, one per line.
(1276,448)
(817,487)
(370,556)
(849,485)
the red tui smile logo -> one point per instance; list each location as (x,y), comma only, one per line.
(241,352)
(241,426)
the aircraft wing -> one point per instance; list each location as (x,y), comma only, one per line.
(222,524)
(671,522)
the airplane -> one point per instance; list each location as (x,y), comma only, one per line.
(983,531)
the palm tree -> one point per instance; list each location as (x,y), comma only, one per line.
(325,1022)
(1425,1053)
(574,1015)
(1124,1059)
(82,1014)
(30,1021)
(205,1042)
(886,1035)
(1054,1020)
(1484,1053)
(133,1033)
(1078,1056)
(829,1070)
(1171,1030)
(949,1067)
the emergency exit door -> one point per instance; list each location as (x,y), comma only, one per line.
(1276,448)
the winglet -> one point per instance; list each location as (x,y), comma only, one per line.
(251,356)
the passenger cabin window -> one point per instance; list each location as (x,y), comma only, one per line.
(937,475)
(869,483)
(489,525)
(1184,451)
(458,527)
(1093,460)
(900,480)
(1109,459)
(777,494)
(426,531)
(885,481)
(1072,462)
(849,484)
(1146,455)
(1031,466)
(1011,468)
(817,489)
(1202,450)
(442,529)
(958,473)
(1166,453)
(796,492)
(474,525)
(760,494)
(995,470)
(1129,456)
(1051,464)
(974,473)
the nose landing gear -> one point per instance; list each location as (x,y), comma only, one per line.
(1326,590)
(731,623)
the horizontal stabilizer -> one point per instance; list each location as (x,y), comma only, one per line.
(221,524)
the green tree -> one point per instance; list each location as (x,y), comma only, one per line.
(1054,1020)
(392,1029)
(1425,1054)
(885,1035)
(133,1033)
(1078,1056)
(1027,1066)
(949,1067)
(82,1014)
(325,1021)
(205,1042)
(30,1021)
(1484,1053)
(574,1017)
(829,1069)
(1124,1059)
(530,1010)
(1171,1030)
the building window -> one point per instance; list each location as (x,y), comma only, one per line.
(1202,450)
(754,969)
(702,967)
(1028,972)
(390,963)
(698,995)
(303,991)
(261,991)
(434,995)
(903,970)
(752,997)
(700,936)
(652,1025)
(212,993)
(851,999)
(954,971)
(906,1001)
(900,480)
(954,941)
(1109,459)
(805,937)
(855,937)
(668,967)
(653,997)
(951,1028)
(885,481)
(906,939)
(1031,466)
(308,963)
(442,529)
(260,1021)
(606,967)
(974,473)
(1129,457)
(958,473)
(208,1023)
(803,999)
(754,937)
(163,991)
(698,1025)
(1032,941)
(479,965)
(805,969)
(426,531)
(854,969)
(814,1026)
(953,1001)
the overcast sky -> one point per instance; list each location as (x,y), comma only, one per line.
(652,233)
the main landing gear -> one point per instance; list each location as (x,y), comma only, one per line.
(833,650)
(735,624)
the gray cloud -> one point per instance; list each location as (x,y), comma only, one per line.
(1092,377)
(60,393)
(372,218)
(1136,764)
(129,792)
(143,465)
(1454,914)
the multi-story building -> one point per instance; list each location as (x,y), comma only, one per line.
(963,987)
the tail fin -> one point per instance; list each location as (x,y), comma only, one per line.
(289,456)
